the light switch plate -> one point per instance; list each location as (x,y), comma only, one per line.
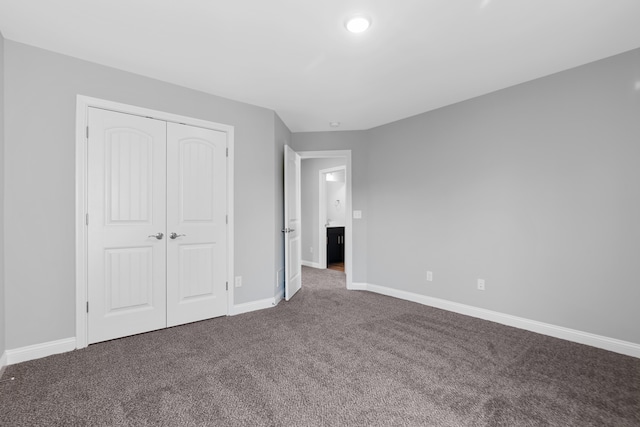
(357,214)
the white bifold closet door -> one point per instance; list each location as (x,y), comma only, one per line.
(157,224)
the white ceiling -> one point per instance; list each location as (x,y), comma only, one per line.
(295,57)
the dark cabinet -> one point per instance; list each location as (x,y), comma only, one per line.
(335,245)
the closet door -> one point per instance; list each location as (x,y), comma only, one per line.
(127,225)
(196,223)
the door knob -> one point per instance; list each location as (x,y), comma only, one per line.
(175,235)
(158,236)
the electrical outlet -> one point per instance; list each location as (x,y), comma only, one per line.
(311,249)
(481,284)
(238,281)
(429,276)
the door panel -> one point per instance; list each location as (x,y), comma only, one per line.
(128,279)
(128,176)
(292,223)
(196,190)
(196,170)
(196,271)
(126,205)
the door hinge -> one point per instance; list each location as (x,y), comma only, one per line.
(87,306)
(227,151)
(226,219)
(87,132)
(227,286)
(86,218)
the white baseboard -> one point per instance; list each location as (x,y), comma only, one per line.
(252,306)
(312,264)
(37,351)
(358,287)
(606,343)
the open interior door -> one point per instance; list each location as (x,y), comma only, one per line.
(292,230)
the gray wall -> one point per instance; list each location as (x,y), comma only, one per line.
(40,102)
(357,142)
(310,202)
(2,298)
(533,188)
(282,137)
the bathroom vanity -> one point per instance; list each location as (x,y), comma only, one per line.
(335,245)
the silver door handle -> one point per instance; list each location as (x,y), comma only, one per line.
(158,236)
(175,235)
(288,230)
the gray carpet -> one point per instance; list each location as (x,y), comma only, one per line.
(329,357)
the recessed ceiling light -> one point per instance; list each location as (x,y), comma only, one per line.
(358,24)
(334,124)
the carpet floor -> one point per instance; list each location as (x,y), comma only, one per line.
(329,357)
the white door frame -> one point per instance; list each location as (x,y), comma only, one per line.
(82,112)
(348,229)
(322,212)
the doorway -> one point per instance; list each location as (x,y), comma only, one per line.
(314,221)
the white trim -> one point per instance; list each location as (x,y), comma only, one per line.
(253,306)
(231,216)
(312,264)
(357,287)
(348,230)
(82,108)
(599,341)
(37,351)
(82,105)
